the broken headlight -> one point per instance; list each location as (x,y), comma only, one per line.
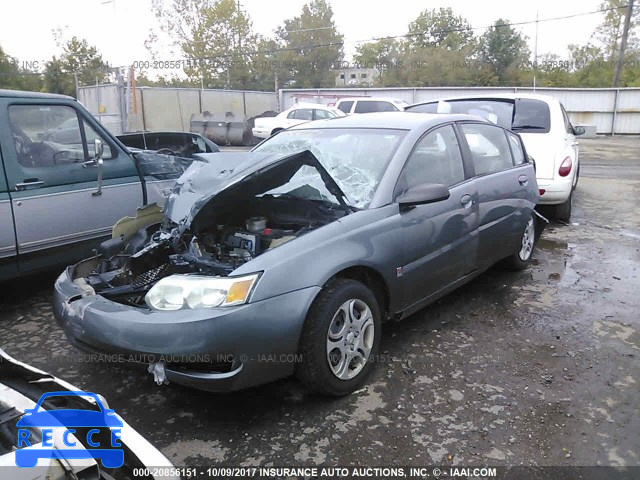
(190,291)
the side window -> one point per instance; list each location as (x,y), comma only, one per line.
(321,114)
(489,148)
(567,122)
(424,108)
(91,135)
(46,135)
(50,136)
(292,114)
(516,148)
(346,106)
(303,114)
(436,158)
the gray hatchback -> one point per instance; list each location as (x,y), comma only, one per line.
(287,259)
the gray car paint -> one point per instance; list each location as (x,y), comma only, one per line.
(419,253)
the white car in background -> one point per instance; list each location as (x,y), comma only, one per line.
(547,133)
(370,104)
(264,127)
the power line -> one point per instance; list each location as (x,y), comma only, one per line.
(406,35)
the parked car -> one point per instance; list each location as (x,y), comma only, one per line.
(181,144)
(304,246)
(300,113)
(26,392)
(61,193)
(546,130)
(370,104)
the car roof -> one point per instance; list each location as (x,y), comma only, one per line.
(362,97)
(311,105)
(23,94)
(505,96)
(387,120)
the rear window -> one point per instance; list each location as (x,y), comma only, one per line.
(369,106)
(345,106)
(529,115)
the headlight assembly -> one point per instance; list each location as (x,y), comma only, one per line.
(191,291)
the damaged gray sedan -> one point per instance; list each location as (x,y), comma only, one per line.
(287,259)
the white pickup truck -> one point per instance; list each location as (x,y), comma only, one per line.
(264,127)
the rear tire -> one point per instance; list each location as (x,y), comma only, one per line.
(522,258)
(276,130)
(340,338)
(563,211)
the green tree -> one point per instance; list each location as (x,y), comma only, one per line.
(14,77)
(609,32)
(312,46)
(78,57)
(503,50)
(215,38)
(440,28)
(382,55)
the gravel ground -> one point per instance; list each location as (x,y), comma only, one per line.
(535,368)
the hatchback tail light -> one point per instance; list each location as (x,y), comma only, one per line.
(541,191)
(565,167)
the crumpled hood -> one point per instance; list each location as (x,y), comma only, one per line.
(223,179)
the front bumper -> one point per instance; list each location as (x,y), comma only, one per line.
(258,341)
(261,132)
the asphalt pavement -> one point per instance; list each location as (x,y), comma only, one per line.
(537,368)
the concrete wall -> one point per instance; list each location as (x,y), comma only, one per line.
(610,110)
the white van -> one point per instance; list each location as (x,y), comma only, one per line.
(370,104)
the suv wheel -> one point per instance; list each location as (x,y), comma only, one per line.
(340,338)
(563,211)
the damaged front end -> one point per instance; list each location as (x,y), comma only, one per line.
(221,214)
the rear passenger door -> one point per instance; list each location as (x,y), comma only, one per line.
(439,239)
(506,186)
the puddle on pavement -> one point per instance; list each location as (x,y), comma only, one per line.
(550,261)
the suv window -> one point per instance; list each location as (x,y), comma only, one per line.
(50,135)
(368,106)
(516,148)
(436,158)
(489,148)
(345,106)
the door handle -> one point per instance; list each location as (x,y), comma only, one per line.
(466,201)
(523,180)
(29,183)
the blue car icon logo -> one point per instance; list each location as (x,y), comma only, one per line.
(83,424)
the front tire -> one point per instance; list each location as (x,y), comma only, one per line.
(522,258)
(340,338)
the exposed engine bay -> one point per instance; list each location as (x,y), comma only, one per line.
(126,269)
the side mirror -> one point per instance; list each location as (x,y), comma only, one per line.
(578,130)
(98,148)
(424,193)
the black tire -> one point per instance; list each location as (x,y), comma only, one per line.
(575,184)
(276,130)
(518,261)
(314,370)
(563,211)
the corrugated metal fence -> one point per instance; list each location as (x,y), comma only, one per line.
(611,110)
(158,108)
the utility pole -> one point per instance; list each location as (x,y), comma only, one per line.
(535,54)
(623,44)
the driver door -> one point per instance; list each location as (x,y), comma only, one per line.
(59,213)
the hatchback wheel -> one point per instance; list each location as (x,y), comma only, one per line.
(521,259)
(340,339)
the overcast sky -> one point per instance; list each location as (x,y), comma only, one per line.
(119,30)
